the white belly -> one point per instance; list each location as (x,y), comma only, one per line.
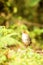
(25,38)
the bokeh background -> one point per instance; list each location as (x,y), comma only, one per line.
(17,16)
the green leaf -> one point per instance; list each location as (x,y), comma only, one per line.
(2,58)
(4,41)
(31,3)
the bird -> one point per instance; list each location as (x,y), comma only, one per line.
(26,39)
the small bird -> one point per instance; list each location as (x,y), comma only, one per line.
(26,38)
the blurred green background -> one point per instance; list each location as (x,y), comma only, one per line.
(16,16)
(26,12)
